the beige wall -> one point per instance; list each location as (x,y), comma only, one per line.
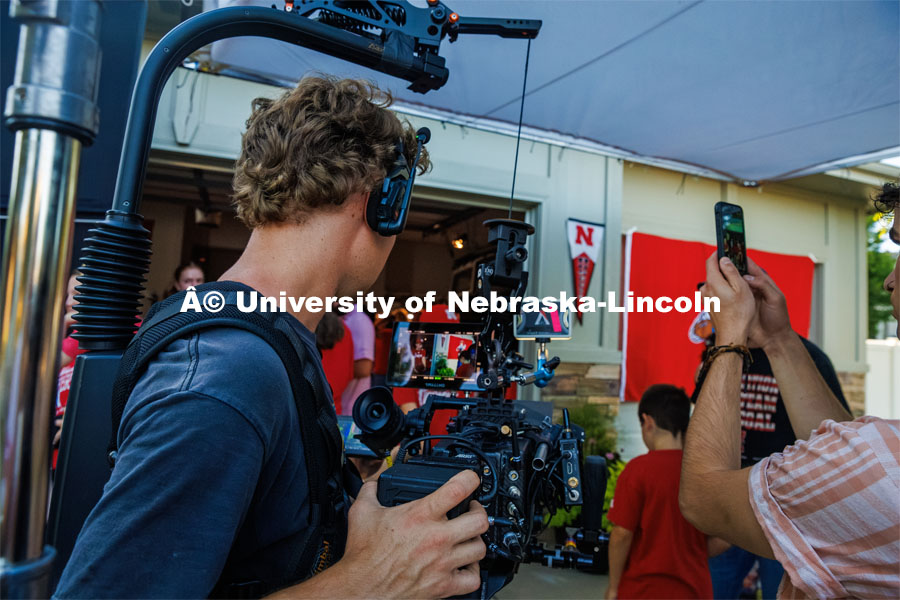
(781,218)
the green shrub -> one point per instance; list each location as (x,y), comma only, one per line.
(599,428)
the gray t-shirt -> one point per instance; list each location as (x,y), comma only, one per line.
(210,472)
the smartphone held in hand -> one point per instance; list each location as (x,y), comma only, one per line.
(730,234)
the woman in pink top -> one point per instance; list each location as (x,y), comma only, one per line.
(363,332)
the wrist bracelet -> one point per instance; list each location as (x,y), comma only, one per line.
(719,350)
(711,354)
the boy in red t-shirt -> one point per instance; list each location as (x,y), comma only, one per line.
(653,551)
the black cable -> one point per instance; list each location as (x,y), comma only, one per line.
(512,192)
(555,464)
(531,496)
(401,455)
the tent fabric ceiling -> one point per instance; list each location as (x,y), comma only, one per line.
(751,91)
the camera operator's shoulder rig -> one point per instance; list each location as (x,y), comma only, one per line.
(529,466)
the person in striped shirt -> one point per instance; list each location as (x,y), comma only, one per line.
(827,507)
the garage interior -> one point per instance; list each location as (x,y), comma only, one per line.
(187,208)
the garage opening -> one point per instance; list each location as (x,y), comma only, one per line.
(439,250)
(187,208)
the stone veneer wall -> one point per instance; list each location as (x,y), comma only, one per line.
(583,383)
(576,384)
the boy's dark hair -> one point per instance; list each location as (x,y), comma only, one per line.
(887,200)
(669,406)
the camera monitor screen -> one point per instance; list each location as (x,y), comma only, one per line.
(434,355)
(549,325)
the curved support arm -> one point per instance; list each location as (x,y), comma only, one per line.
(393,58)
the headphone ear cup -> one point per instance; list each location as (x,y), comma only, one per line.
(372,208)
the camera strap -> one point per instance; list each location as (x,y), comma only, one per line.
(322,543)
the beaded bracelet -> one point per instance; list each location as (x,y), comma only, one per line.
(711,354)
(719,350)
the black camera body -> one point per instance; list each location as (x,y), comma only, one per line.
(529,466)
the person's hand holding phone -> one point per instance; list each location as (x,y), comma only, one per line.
(737,305)
(772,323)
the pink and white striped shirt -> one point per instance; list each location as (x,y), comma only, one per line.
(830,508)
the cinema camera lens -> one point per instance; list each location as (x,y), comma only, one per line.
(379,419)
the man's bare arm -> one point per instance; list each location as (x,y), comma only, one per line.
(807,397)
(714,493)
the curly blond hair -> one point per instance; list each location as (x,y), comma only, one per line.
(314,146)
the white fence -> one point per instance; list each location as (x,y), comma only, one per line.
(883,378)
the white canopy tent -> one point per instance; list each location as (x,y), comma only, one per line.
(744,91)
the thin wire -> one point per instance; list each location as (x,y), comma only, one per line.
(512,192)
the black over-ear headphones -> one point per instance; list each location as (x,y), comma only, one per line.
(388,205)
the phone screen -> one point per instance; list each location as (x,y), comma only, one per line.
(730,234)
(434,355)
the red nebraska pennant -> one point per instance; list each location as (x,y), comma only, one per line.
(585,241)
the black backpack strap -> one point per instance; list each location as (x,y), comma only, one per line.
(308,559)
(322,542)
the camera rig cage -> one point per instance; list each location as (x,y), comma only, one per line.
(529,467)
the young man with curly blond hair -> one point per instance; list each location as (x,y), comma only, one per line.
(210,480)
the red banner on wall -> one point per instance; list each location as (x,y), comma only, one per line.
(585,241)
(657,347)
